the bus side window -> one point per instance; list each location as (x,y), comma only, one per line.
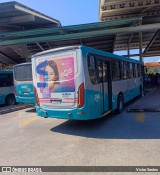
(115,70)
(142,71)
(105,72)
(100,71)
(131,70)
(139,70)
(10,79)
(122,70)
(92,69)
(6,80)
(127,70)
(134,70)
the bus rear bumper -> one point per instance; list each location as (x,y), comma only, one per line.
(71,114)
(25,99)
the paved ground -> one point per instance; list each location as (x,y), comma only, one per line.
(150,102)
(118,140)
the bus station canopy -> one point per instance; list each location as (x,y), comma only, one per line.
(17,17)
(108,35)
(149,10)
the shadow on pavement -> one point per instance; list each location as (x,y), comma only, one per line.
(122,126)
(31,110)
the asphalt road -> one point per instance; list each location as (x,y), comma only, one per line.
(127,139)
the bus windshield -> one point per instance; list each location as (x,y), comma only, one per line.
(23,73)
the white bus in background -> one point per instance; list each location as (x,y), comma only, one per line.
(23,83)
(6,88)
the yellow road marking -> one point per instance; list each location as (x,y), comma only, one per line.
(26,122)
(140,117)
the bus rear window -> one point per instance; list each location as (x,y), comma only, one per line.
(23,73)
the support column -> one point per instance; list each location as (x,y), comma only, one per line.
(140,43)
(128,50)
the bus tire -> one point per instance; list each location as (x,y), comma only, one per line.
(120,104)
(10,100)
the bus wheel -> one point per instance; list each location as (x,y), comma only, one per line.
(120,104)
(10,100)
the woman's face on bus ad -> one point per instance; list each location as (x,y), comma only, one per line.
(51,76)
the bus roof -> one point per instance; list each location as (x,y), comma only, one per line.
(22,64)
(56,49)
(103,53)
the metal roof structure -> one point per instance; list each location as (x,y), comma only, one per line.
(122,32)
(17,17)
(148,10)
(100,35)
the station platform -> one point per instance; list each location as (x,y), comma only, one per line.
(148,103)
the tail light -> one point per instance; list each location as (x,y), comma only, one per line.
(81,96)
(36,96)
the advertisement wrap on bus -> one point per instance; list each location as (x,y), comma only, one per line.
(55,80)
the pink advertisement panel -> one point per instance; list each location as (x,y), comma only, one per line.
(55,76)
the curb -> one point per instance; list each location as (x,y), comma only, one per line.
(143,110)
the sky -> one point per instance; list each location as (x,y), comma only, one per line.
(71,12)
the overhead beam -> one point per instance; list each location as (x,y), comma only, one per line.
(125,16)
(81,35)
(144,55)
(8,57)
(114,43)
(3,63)
(140,42)
(17,19)
(130,38)
(67,29)
(152,41)
(132,46)
(126,3)
(49,45)
(19,50)
(33,12)
(129,41)
(118,10)
(40,46)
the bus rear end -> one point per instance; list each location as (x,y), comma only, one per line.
(23,83)
(58,79)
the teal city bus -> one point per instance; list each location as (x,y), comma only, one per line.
(6,88)
(83,83)
(23,83)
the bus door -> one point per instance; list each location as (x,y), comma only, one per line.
(104,79)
